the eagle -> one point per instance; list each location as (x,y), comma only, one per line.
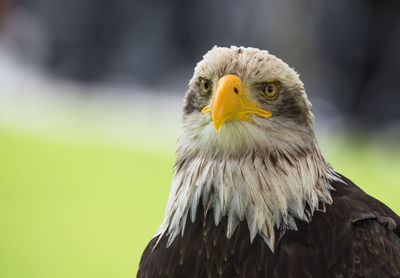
(252,194)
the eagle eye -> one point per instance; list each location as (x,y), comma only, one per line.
(205,86)
(270,90)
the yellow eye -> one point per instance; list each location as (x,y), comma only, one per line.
(270,90)
(205,86)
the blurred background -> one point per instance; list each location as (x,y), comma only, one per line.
(90,102)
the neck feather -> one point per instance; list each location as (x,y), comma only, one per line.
(266,189)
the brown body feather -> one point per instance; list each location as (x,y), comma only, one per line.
(357,236)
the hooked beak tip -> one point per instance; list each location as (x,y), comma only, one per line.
(217,127)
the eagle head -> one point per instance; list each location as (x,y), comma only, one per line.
(242,100)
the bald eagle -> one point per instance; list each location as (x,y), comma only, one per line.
(252,195)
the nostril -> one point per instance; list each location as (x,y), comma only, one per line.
(236,90)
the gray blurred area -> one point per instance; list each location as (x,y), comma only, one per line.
(347,52)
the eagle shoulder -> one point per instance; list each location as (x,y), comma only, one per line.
(374,233)
(376,250)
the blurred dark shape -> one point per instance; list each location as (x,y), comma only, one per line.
(143,41)
(346,51)
(4,9)
(362,40)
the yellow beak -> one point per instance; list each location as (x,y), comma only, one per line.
(230,103)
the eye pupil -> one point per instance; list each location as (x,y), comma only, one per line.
(206,85)
(270,89)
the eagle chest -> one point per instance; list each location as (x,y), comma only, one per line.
(205,251)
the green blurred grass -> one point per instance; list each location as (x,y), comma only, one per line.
(76,210)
